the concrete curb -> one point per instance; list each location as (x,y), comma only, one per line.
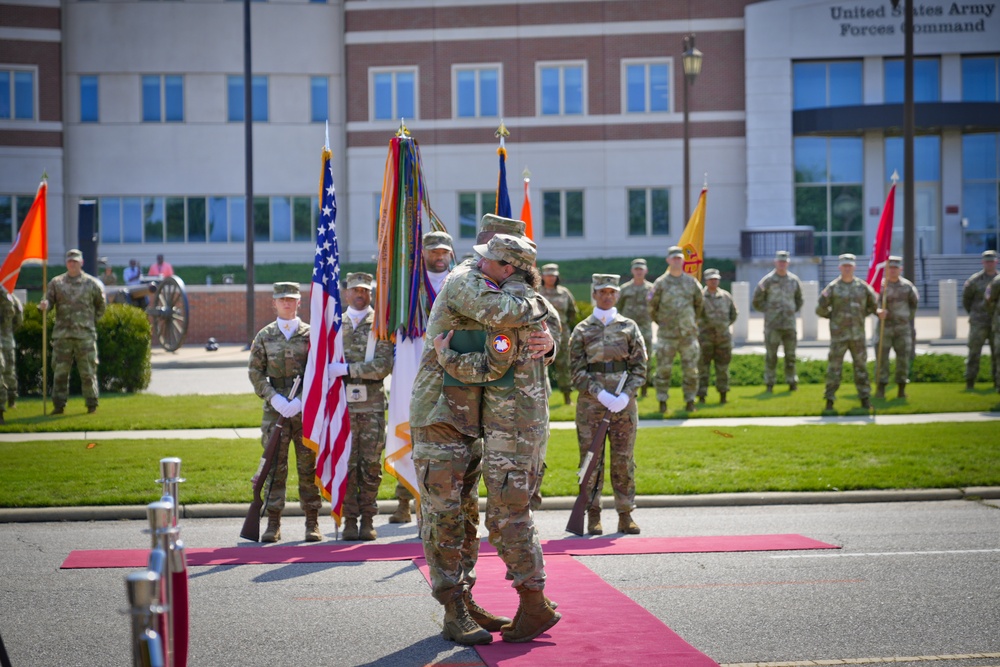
(229,511)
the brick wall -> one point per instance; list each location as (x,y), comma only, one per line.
(219,311)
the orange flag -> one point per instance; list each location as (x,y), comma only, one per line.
(526,211)
(31,245)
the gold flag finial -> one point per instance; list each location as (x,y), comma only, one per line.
(502,131)
(402,131)
(526,175)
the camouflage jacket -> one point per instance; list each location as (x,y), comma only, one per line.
(79,303)
(718,313)
(973,298)
(675,305)
(274,361)
(468,300)
(992,300)
(633,302)
(847,305)
(368,373)
(779,298)
(9,314)
(618,340)
(901,300)
(564,304)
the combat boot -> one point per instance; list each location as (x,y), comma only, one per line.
(866,403)
(829,404)
(533,617)
(459,626)
(701,399)
(91,409)
(902,391)
(689,406)
(880,390)
(722,398)
(367,532)
(663,407)
(1,418)
(645,391)
(769,389)
(594,523)
(792,386)
(57,409)
(969,385)
(312,527)
(568,397)
(11,400)
(273,532)
(402,513)
(626,524)
(351,533)
(483,618)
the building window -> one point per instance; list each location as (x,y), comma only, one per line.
(258,98)
(649,212)
(646,86)
(980,79)
(828,192)
(926,80)
(826,84)
(152,219)
(472,206)
(562,213)
(561,89)
(319,87)
(237,219)
(89,99)
(163,98)
(980,191)
(13,210)
(926,188)
(393,94)
(476,91)
(17,94)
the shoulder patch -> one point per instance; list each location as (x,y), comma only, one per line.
(491,284)
(501,344)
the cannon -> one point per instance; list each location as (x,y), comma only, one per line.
(165,301)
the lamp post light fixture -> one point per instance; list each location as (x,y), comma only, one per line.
(691,59)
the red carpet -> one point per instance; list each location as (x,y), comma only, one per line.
(349,552)
(600,625)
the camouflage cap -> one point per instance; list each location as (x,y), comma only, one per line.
(511,249)
(604,281)
(675,251)
(782,256)
(360,279)
(75,254)
(494,223)
(848,259)
(436,240)
(639,261)
(286,291)
(550,270)
(894,260)
(990,255)
(712,274)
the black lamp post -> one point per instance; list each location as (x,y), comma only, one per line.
(691,58)
(909,123)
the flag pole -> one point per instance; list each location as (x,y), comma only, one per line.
(881,326)
(45,313)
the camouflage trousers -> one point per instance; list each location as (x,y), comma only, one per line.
(979,334)
(510,483)
(10,368)
(4,365)
(305,462)
(835,367)
(720,352)
(996,367)
(64,352)
(364,467)
(647,339)
(772,339)
(900,341)
(403,493)
(559,368)
(448,466)
(621,436)
(690,352)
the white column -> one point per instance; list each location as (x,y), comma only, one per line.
(741,297)
(810,320)
(948,308)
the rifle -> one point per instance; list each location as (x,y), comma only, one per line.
(575,523)
(251,525)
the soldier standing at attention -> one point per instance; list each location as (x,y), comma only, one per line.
(714,337)
(973,297)
(633,303)
(8,325)
(993,307)
(79,301)
(847,301)
(366,363)
(6,320)
(277,356)
(602,347)
(898,311)
(562,300)
(675,306)
(779,296)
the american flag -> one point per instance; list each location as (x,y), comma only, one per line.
(326,426)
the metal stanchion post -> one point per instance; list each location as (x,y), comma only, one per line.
(163,534)
(170,470)
(143,597)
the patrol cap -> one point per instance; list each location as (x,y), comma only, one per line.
(495,223)
(675,251)
(782,256)
(604,281)
(712,274)
(639,262)
(360,279)
(550,270)
(990,255)
(511,249)
(75,254)
(848,259)
(436,240)
(286,291)
(894,260)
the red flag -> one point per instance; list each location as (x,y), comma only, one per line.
(883,241)
(526,211)
(326,425)
(31,245)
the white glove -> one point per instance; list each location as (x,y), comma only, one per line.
(606,398)
(619,403)
(335,370)
(294,408)
(279,403)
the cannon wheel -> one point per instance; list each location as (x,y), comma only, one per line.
(170,313)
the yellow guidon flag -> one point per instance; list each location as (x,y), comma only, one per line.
(693,239)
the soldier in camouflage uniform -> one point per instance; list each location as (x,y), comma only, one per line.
(992,299)
(980,330)
(602,347)
(277,355)
(6,321)
(8,325)
(515,423)
(79,301)
(675,306)
(562,300)
(714,337)
(633,303)
(847,301)
(366,363)
(899,309)
(779,296)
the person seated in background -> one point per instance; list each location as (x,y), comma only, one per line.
(162,268)
(132,273)
(107,275)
